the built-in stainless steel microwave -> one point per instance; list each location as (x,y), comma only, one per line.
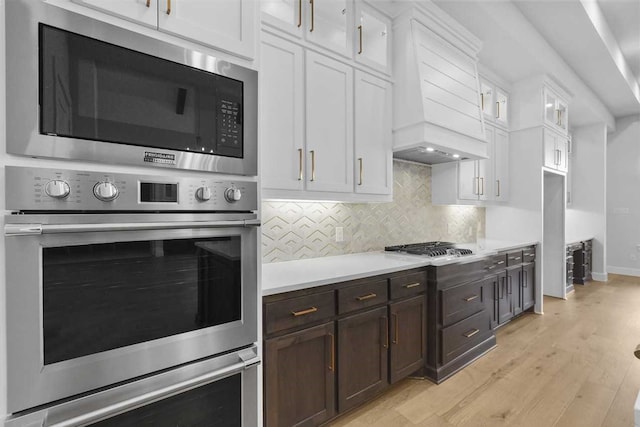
(81,89)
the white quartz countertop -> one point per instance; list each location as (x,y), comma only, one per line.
(287,276)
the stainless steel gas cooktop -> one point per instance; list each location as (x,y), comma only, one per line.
(430,249)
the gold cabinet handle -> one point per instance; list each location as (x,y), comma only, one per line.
(498,108)
(299,164)
(299,13)
(477,190)
(482,101)
(395,332)
(525,279)
(312,15)
(558,117)
(361,171)
(498,184)
(412,285)
(471,298)
(148,3)
(305,311)
(360,33)
(333,353)
(366,297)
(313,165)
(482,184)
(471,333)
(168,7)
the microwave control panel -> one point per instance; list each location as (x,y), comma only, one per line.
(229,128)
(38,189)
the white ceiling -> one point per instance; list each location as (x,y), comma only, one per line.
(623,17)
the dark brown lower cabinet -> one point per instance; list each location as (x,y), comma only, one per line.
(528,284)
(491,292)
(514,278)
(408,337)
(363,342)
(300,377)
(505,306)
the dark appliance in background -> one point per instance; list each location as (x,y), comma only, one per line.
(582,256)
(81,89)
(131,299)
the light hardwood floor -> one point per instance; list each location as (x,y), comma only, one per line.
(572,366)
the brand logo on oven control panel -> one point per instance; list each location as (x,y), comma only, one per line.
(152,157)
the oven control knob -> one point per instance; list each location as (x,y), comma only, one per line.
(203,194)
(105,191)
(232,194)
(58,189)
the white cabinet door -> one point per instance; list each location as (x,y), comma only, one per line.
(140,11)
(468,180)
(282,114)
(227,25)
(502,108)
(501,165)
(373,156)
(484,169)
(563,153)
(372,38)
(550,149)
(330,23)
(285,15)
(329,124)
(487,103)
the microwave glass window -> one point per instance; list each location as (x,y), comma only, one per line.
(94,90)
(104,296)
(218,404)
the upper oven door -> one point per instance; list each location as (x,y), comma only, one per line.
(85,90)
(92,305)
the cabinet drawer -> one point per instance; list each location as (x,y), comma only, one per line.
(295,312)
(461,302)
(529,255)
(514,258)
(464,335)
(407,285)
(495,263)
(356,297)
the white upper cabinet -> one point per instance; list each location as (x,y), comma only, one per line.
(140,11)
(330,24)
(224,24)
(282,114)
(501,165)
(373,158)
(494,102)
(539,101)
(329,119)
(227,25)
(372,38)
(556,111)
(351,29)
(556,151)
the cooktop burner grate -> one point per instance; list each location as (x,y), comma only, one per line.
(430,249)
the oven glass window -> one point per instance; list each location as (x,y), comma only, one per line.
(105,296)
(94,90)
(214,405)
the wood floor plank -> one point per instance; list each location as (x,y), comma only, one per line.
(572,366)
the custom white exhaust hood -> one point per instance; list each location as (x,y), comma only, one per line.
(437,104)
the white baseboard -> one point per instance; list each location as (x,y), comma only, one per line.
(624,271)
(599,277)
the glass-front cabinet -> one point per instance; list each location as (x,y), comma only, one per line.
(372,38)
(556,111)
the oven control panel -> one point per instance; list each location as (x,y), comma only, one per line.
(38,189)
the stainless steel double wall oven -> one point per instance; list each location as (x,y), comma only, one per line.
(131,298)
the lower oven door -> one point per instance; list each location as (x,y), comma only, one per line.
(217,392)
(90,305)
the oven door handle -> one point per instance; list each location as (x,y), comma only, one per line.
(37,229)
(163,393)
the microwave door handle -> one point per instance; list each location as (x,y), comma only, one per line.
(37,229)
(154,396)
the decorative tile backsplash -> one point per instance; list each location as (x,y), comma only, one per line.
(297,230)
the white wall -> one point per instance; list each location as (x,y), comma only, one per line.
(586,218)
(623,197)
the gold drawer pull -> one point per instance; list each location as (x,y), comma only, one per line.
(412,285)
(500,262)
(471,333)
(366,297)
(491,267)
(303,312)
(517,258)
(471,298)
